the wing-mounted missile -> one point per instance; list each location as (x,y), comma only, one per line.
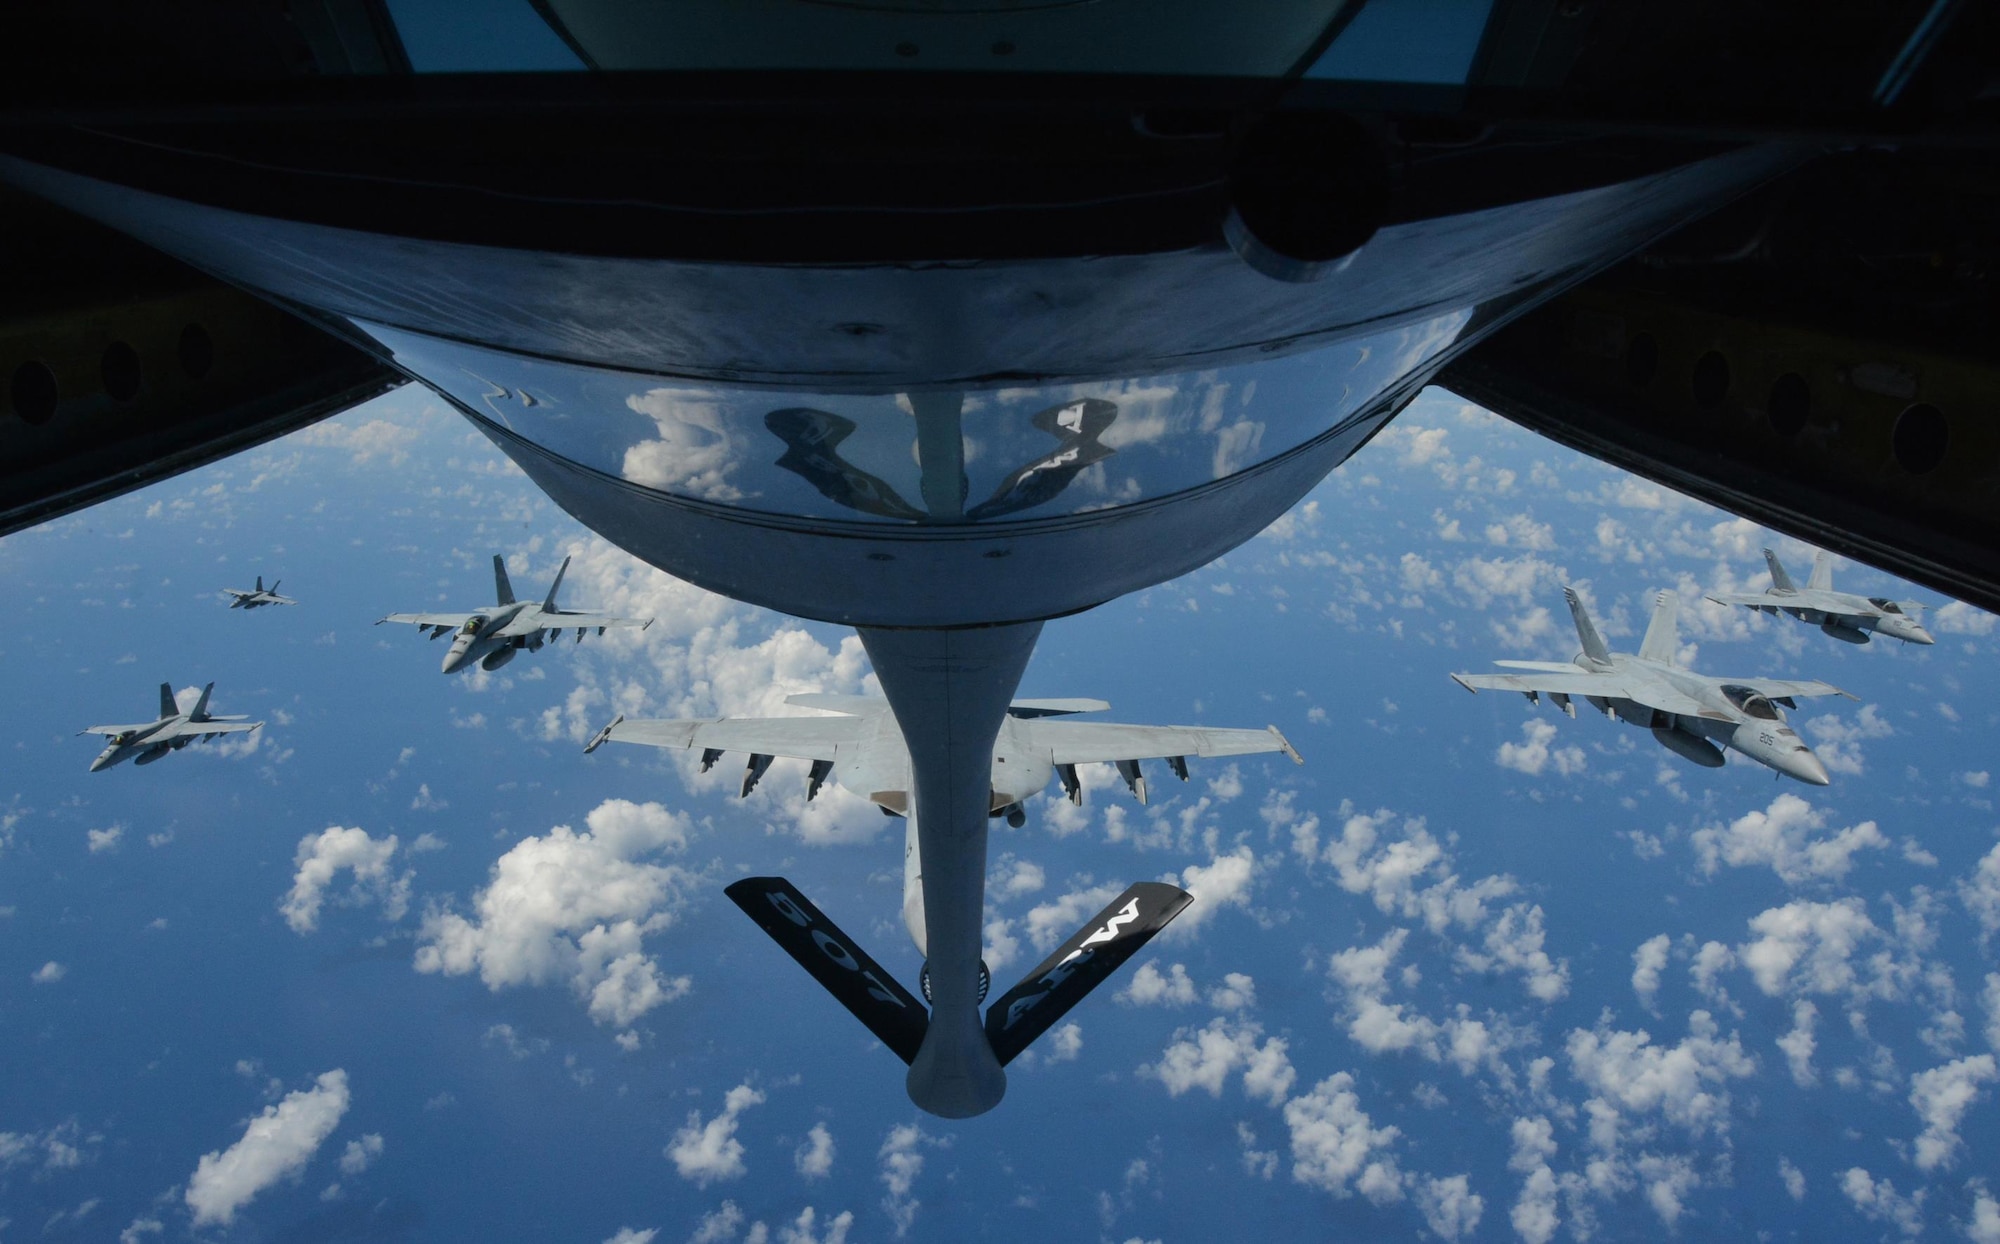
(821,770)
(753,773)
(856,981)
(1093,953)
(1135,779)
(1563,702)
(1178,764)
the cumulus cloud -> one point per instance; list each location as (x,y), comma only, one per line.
(1647,963)
(814,1158)
(49,973)
(1959,618)
(1798,1045)
(360,1154)
(1149,988)
(632,1235)
(1237,992)
(1941,1096)
(1049,923)
(277,1143)
(1980,893)
(102,840)
(1840,739)
(1337,1148)
(574,908)
(1684,1082)
(322,857)
(1533,754)
(1205,1058)
(1810,947)
(1450,1207)
(705,1153)
(1782,837)
(1878,1201)
(902,1159)
(1225,881)
(1984,1225)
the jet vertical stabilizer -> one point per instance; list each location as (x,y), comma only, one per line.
(503,591)
(1663,637)
(549,605)
(168,708)
(1822,573)
(200,712)
(1586,630)
(1780,581)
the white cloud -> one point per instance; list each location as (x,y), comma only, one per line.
(1941,1096)
(49,973)
(1149,988)
(1878,1201)
(1808,946)
(1450,1207)
(632,1235)
(1237,992)
(1684,1082)
(1647,962)
(1793,1178)
(1980,893)
(360,1154)
(277,1143)
(377,438)
(1840,740)
(802,1230)
(706,1153)
(1991,997)
(1064,1044)
(691,454)
(902,1158)
(1798,1045)
(1204,1058)
(102,840)
(1534,1214)
(1049,923)
(1337,1148)
(1781,837)
(1533,754)
(718,1225)
(574,908)
(814,1158)
(1959,618)
(321,857)
(1225,881)
(1984,1227)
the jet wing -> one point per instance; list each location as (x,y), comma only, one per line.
(107,731)
(198,729)
(1754,599)
(1780,688)
(1578,683)
(528,624)
(801,738)
(1090,742)
(451,620)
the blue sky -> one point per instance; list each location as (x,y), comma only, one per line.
(410,966)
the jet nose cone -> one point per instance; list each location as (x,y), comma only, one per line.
(1918,635)
(102,762)
(1806,767)
(452,662)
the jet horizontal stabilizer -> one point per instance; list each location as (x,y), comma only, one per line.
(833,959)
(1096,950)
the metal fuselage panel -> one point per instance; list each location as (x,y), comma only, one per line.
(1769,741)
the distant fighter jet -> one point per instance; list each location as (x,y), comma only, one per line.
(174,730)
(1843,615)
(259,595)
(867,746)
(1690,714)
(494,634)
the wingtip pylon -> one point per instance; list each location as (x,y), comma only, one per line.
(597,740)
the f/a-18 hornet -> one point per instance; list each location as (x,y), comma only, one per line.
(866,748)
(1843,615)
(1693,715)
(258,596)
(493,635)
(148,741)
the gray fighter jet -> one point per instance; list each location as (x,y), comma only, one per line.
(493,635)
(865,747)
(1843,615)
(1690,714)
(258,596)
(174,730)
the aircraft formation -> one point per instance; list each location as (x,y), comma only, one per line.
(1696,716)
(491,636)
